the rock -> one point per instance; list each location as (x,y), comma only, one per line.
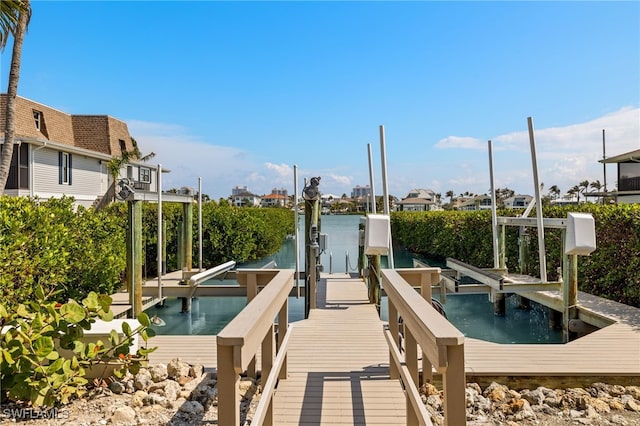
(138,398)
(534,397)
(435,402)
(616,404)
(192,407)
(196,371)
(496,392)
(617,419)
(143,379)
(599,405)
(632,405)
(123,415)
(177,369)
(117,387)
(617,390)
(159,372)
(154,399)
(171,390)
(634,391)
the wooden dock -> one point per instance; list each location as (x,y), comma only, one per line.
(338,359)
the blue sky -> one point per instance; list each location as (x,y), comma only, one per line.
(239,92)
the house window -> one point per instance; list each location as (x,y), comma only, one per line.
(628,176)
(37,118)
(19,170)
(123,145)
(129,172)
(64,168)
(144,175)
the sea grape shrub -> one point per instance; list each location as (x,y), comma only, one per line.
(43,358)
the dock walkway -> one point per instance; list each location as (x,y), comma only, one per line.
(338,359)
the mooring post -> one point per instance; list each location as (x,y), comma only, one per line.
(362,264)
(569,294)
(374,280)
(311,195)
(134,256)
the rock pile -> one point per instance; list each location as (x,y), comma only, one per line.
(600,404)
(182,394)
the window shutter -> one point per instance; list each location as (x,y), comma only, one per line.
(60,167)
(70,168)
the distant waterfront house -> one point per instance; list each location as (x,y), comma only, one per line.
(274,200)
(628,177)
(479,202)
(58,154)
(418,200)
(517,202)
(246,199)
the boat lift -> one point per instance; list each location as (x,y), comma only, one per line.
(578,238)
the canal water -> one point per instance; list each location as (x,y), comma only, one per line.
(471,314)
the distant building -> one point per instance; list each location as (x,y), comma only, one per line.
(479,202)
(245,199)
(239,190)
(280,191)
(361,191)
(418,200)
(518,201)
(274,200)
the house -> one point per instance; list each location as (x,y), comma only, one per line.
(274,200)
(517,202)
(58,154)
(418,200)
(246,199)
(628,177)
(479,202)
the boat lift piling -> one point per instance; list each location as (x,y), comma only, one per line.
(312,222)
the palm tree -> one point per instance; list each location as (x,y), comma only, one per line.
(450,195)
(575,190)
(14,20)
(554,192)
(596,185)
(583,186)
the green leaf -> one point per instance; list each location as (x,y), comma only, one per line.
(91,301)
(55,366)
(143,318)
(43,346)
(39,293)
(73,312)
(6,355)
(126,329)
(3,312)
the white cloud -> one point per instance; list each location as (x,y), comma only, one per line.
(461,142)
(566,155)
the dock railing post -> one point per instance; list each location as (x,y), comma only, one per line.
(228,390)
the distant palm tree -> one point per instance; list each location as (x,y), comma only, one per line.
(596,185)
(450,195)
(575,190)
(554,192)
(14,20)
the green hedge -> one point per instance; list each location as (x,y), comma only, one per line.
(51,245)
(612,270)
(76,252)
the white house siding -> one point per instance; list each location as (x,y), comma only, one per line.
(86,177)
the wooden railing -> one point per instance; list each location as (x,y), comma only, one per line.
(442,345)
(253,330)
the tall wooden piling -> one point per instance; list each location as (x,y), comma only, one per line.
(134,256)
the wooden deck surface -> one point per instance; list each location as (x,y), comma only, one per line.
(338,364)
(338,359)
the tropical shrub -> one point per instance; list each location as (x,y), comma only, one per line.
(37,335)
(611,271)
(52,245)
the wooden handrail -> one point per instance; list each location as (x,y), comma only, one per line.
(252,330)
(441,343)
